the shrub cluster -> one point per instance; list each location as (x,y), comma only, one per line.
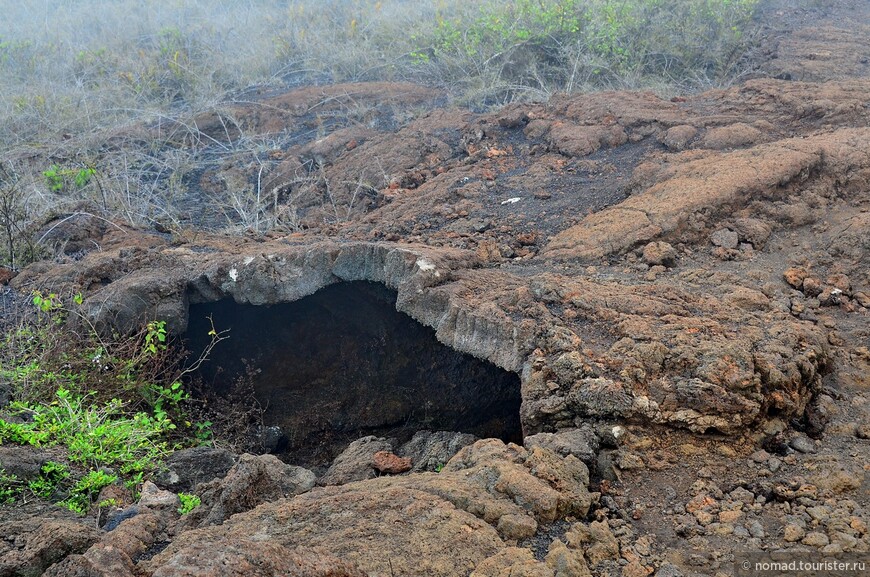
(112,410)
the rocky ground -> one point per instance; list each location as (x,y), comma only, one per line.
(682,286)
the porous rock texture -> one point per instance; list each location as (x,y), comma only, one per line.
(426,524)
(556,286)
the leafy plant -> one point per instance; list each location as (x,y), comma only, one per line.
(94,434)
(189,502)
(85,491)
(10,486)
(62,373)
(58,178)
(51,476)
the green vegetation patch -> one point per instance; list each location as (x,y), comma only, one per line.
(114,409)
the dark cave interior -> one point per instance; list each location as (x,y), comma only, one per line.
(343,363)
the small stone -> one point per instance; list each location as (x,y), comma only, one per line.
(774,464)
(704,518)
(390,463)
(742,495)
(862,299)
(753,231)
(815,539)
(701,502)
(759,456)
(721,528)
(729,516)
(156,498)
(725,238)
(659,253)
(756,529)
(628,461)
(802,444)
(863,431)
(740,531)
(603,544)
(678,137)
(812,287)
(516,526)
(795,277)
(820,514)
(643,546)
(567,562)
(793,532)
(668,570)
(844,540)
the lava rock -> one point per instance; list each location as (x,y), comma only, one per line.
(154,497)
(252,558)
(678,138)
(390,463)
(430,450)
(583,443)
(187,468)
(659,253)
(254,480)
(72,233)
(38,543)
(119,516)
(753,231)
(795,277)
(802,444)
(23,462)
(356,462)
(725,238)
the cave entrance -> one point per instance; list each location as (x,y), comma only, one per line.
(344,363)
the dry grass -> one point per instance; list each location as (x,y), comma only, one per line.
(81,79)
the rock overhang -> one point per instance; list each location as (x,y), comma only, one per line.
(585,348)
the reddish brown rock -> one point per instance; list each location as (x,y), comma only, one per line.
(390,463)
(6,275)
(33,545)
(795,277)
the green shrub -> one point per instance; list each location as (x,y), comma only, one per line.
(94,434)
(114,405)
(86,490)
(50,480)
(188,503)
(10,486)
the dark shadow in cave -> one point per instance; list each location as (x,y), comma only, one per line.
(344,363)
